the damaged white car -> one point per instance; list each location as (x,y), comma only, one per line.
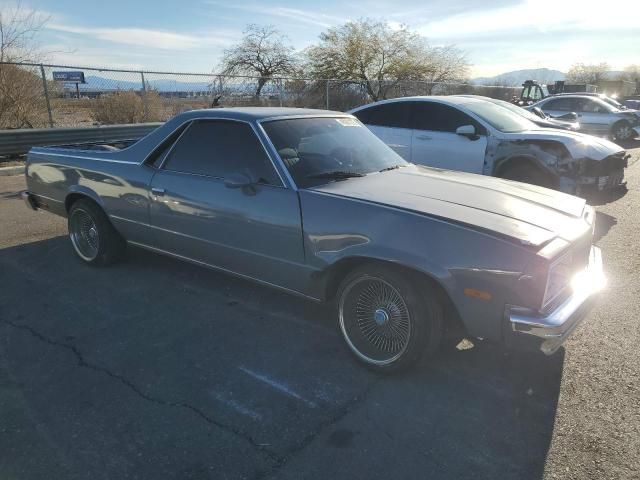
(478,136)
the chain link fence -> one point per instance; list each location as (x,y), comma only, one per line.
(30,96)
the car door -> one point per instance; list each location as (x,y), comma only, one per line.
(390,123)
(593,115)
(435,142)
(556,107)
(253,230)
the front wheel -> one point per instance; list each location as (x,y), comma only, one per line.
(93,237)
(526,173)
(622,131)
(388,318)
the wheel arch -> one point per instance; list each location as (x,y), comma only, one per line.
(508,162)
(335,274)
(76,193)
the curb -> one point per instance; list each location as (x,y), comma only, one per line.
(16,170)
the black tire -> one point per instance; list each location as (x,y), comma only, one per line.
(92,236)
(389,318)
(622,131)
(525,172)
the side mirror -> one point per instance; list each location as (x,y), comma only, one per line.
(572,116)
(237,180)
(538,111)
(468,131)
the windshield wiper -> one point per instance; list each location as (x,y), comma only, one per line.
(393,167)
(336,175)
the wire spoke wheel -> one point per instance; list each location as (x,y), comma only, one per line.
(84,234)
(375,320)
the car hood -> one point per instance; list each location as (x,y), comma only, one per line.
(578,144)
(529,214)
(555,123)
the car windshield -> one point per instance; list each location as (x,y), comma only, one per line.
(500,118)
(326,149)
(613,103)
(517,110)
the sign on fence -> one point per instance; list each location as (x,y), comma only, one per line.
(72,77)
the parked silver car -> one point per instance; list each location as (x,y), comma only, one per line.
(311,202)
(535,115)
(477,136)
(596,116)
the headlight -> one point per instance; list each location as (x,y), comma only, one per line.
(559,278)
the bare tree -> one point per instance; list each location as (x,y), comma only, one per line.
(21,95)
(591,74)
(263,52)
(631,73)
(443,64)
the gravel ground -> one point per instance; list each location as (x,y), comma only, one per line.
(159,369)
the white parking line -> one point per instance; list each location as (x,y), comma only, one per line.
(281,387)
(238,407)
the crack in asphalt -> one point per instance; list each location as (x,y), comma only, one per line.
(347,408)
(280,460)
(277,459)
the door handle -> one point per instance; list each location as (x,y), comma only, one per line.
(423,137)
(158,192)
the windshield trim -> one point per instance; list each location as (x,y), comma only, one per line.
(297,116)
(274,153)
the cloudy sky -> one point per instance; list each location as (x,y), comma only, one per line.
(189,35)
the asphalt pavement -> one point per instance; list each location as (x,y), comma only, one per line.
(155,368)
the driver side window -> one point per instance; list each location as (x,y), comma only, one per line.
(589,106)
(438,117)
(218,148)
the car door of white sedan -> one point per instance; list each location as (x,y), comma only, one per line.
(434,141)
(397,138)
(390,123)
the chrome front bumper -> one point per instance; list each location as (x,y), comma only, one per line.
(525,329)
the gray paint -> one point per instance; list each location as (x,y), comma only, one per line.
(462,231)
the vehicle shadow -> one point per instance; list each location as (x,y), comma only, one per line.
(628,144)
(171,331)
(604,223)
(607,196)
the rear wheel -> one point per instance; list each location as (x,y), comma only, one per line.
(388,318)
(622,131)
(93,237)
(527,173)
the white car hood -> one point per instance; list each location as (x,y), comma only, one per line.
(579,145)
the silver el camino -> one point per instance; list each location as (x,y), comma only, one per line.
(313,203)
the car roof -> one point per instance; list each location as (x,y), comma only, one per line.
(587,94)
(447,99)
(257,113)
(574,95)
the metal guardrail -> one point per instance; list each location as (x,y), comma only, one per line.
(16,142)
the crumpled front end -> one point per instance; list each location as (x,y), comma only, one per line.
(600,175)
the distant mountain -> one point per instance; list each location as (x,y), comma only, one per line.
(517,77)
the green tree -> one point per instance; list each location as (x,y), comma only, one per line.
(380,57)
